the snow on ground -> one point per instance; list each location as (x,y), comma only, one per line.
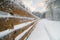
(16,27)
(46,30)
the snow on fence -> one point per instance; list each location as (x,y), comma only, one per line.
(11,34)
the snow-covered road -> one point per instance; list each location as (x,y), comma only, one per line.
(46,30)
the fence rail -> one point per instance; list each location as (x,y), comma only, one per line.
(12,35)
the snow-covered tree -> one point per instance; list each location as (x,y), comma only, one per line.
(53,10)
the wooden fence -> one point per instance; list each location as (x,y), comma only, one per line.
(12,35)
(9,22)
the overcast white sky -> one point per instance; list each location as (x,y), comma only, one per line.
(35,5)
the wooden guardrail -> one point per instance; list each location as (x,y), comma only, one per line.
(26,35)
(8,23)
(12,35)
